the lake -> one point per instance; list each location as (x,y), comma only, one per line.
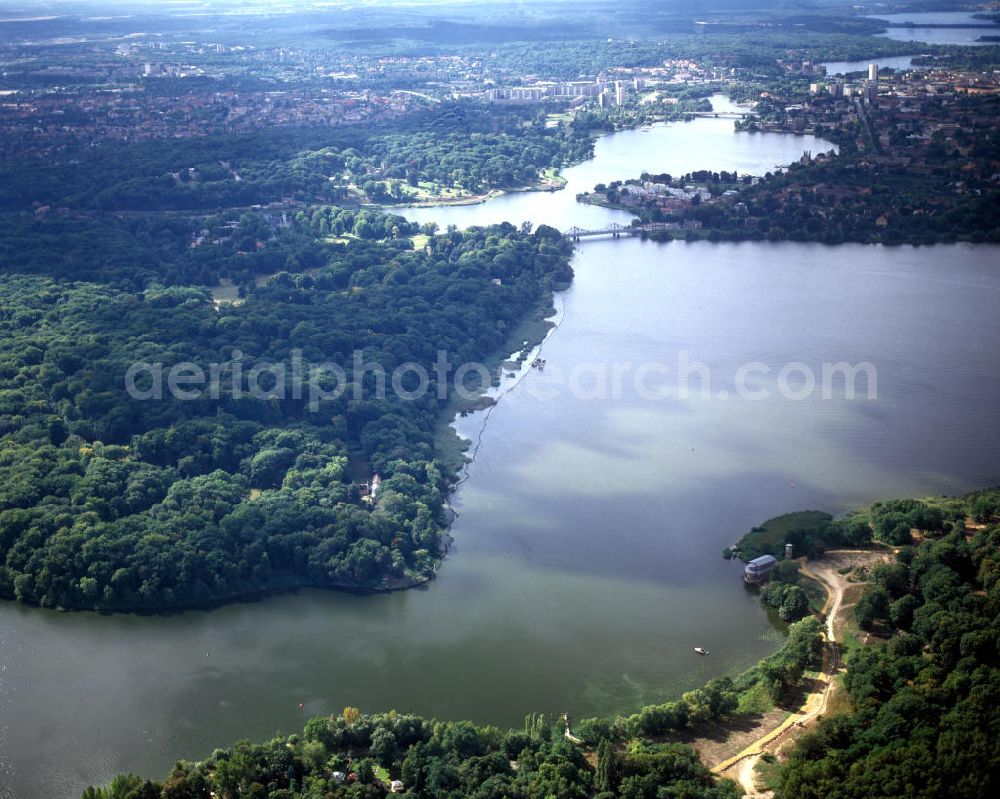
(676,148)
(587,558)
(914,32)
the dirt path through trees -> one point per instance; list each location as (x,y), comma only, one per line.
(827,572)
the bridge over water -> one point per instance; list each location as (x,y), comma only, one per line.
(616,231)
(721,114)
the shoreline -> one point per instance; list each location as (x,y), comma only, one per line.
(555,182)
(731,742)
(530,333)
(528,336)
(245,597)
(727,236)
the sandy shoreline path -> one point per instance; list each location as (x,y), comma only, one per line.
(826,571)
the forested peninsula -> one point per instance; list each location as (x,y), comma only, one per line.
(116,502)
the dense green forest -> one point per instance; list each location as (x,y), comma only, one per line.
(130,251)
(355,756)
(925,690)
(456,144)
(116,503)
(869,203)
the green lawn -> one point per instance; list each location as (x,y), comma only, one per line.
(769,538)
(552,175)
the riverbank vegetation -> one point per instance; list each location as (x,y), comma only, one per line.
(722,699)
(925,689)
(799,529)
(894,523)
(163,499)
(918,709)
(356,755)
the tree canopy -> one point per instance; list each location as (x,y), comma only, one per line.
(115,502)
(923,695)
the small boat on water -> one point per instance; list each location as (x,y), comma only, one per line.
(700,650)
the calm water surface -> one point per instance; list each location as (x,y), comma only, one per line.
(676,148)
(587,557)
(916,33)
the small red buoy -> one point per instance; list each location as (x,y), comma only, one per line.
(301,705)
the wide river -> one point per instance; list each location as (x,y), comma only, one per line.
(587,557)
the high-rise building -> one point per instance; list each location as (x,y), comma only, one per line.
(873,72)
(619,93)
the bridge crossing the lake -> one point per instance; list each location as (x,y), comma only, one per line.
(721,114)
(616,231)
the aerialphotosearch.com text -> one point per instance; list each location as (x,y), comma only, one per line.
(681,377)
